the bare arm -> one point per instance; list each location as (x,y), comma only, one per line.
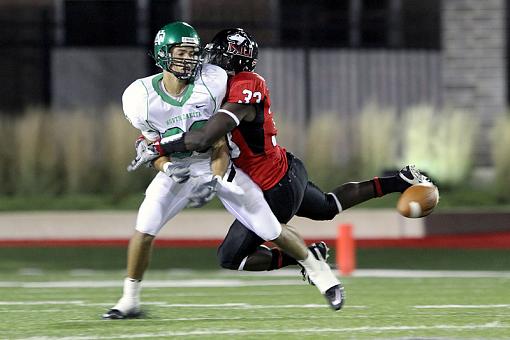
(220,158)
(159,162)
(224,121)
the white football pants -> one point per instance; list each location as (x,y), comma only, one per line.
(164,198)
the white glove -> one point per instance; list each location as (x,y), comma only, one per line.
(144,155)
(178,172)
(205,192)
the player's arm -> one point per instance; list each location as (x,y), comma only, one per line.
(225,120)
(180,173)
(159,163)
(220,158)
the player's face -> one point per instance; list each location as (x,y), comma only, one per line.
(185,58)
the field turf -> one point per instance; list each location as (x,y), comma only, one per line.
(62,304)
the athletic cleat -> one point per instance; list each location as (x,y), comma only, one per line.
(321,252)
(335,296)
(115,314)
(412,175)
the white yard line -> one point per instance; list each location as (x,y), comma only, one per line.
(345,330)
(398,273)
(172,305)
(231,282)
(247,306)
(390,273)
(461,306)
(151,283)
(32,303)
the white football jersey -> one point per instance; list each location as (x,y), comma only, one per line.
(156,114)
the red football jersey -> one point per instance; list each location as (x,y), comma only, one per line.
(257,152)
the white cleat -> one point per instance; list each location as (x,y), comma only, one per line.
(412,175)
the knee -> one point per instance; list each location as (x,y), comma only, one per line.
(329,210)
(142,238)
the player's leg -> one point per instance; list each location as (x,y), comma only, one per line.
(242,249)
(163,199)
(253,211)
(317,269)
(318,205)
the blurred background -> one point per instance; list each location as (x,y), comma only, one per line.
(359,88)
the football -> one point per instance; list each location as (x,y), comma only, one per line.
(418,200)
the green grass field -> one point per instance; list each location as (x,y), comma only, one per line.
(63,304)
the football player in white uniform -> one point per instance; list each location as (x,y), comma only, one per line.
(166,105)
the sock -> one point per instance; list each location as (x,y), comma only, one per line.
(280,259)
(386,185)
(132,288)
(130,300)
(319,272)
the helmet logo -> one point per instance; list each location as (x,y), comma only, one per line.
(190,40)
(236,46)
(237,38)
(160,37)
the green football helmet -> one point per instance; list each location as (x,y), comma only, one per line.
(177,34)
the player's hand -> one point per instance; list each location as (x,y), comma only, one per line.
(144,154)
(178,172)
(203,193)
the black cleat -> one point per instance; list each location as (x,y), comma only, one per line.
(115,314)
(335,296)
(321,252)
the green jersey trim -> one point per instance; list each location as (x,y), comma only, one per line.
(166,98)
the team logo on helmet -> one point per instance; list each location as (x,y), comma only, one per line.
(190,40)
(239,39)
(160,37)
(236,46)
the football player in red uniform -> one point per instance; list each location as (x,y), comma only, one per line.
(246,115)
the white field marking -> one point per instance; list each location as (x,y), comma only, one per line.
(247,306)
(222,294)
(308,317)
(152,284)
(31,271)
(15,303)
(73,303)
(396,273)
(390,273)
(210,331)
(384,273)
(461,306)
(31,310)
(173,305)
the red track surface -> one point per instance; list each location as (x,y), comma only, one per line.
(466,241)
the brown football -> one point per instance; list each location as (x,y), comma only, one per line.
(418,200)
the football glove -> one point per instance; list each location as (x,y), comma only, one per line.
(178,172)
(145,154)
(203,193)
